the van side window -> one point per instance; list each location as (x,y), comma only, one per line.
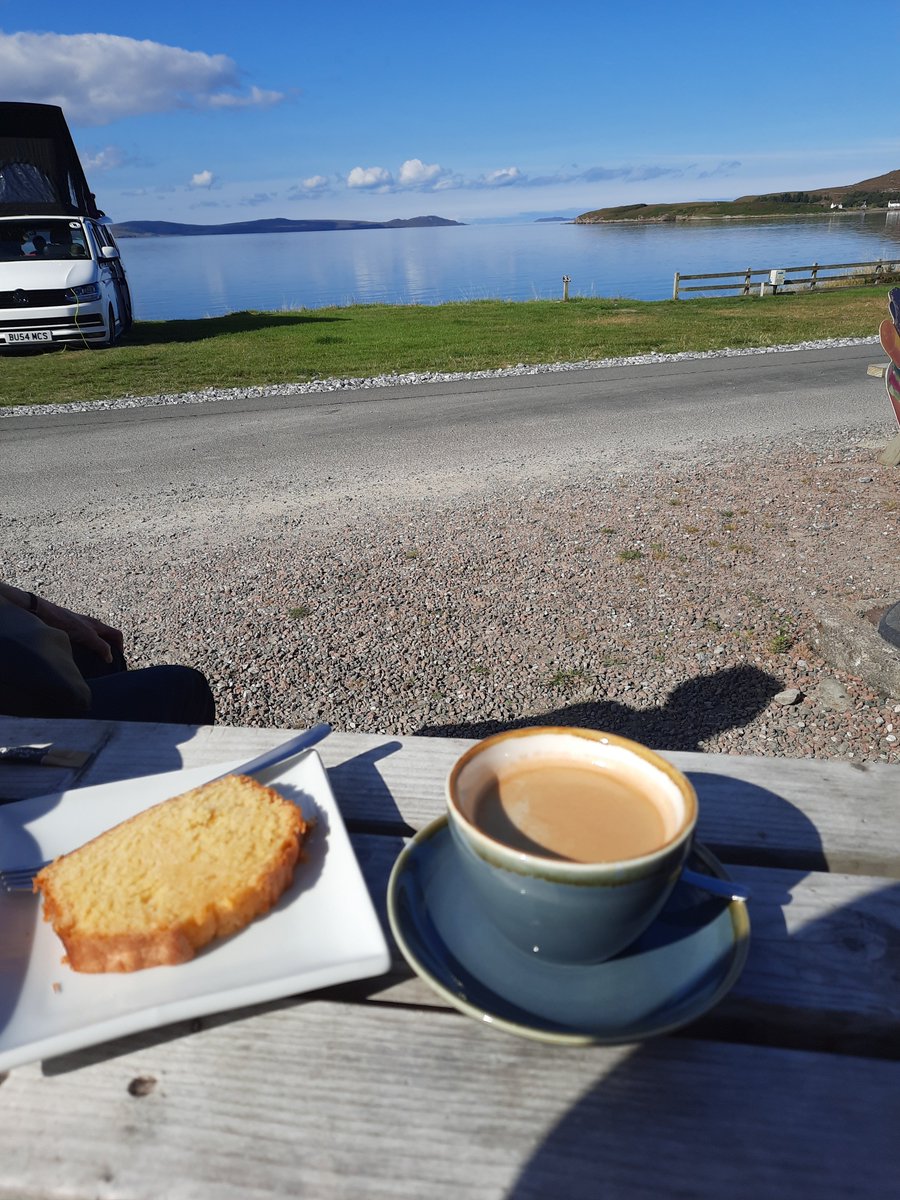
(104,237)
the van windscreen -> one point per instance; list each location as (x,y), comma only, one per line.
(27,241)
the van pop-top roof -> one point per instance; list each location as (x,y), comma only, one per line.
(40,173)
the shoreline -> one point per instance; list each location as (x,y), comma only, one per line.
(788,216)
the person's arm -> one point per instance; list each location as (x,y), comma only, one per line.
(83,630)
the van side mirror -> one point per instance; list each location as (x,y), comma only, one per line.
(108,252)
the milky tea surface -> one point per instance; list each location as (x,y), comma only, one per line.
(574,811)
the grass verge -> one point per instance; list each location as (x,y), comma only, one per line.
(249,348)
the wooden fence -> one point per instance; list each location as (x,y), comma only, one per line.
(863,272)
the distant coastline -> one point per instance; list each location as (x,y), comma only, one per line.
(700,217)
(144,229)
(869,195)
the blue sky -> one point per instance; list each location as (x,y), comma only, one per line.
(212,112)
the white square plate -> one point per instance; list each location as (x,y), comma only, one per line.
(323,930)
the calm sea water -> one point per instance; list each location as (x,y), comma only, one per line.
(186,277)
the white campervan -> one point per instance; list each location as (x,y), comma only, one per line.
(61,274)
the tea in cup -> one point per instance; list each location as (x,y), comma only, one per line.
(572,839)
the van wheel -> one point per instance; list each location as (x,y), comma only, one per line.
(110,333)
(126,316)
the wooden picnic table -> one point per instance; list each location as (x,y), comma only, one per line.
(790,1087)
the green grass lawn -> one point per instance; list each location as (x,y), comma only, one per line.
(249,348)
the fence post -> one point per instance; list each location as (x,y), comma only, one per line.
(746,291)
(675,286)
(815,275)
(566,282)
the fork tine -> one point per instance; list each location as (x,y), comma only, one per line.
(17,883)
(19,879)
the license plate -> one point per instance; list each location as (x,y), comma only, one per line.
(32,335)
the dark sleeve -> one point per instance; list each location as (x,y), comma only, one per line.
(38,675)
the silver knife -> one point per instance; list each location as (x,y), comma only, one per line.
(20,879)
(268,758)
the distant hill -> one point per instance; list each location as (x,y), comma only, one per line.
(887,184)
(869,194)
(274,225)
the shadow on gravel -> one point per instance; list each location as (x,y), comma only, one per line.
(695,711)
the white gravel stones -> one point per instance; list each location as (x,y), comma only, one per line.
(381,381)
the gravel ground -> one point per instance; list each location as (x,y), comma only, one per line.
(671,602)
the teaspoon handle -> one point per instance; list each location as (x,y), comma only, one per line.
(715,886)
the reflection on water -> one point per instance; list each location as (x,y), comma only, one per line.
(182,277)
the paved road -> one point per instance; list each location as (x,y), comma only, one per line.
(322,457)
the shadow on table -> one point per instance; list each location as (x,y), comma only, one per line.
(718,1104)
(156,750)
(366,801)
(370,810)
(698,1119)
(694,712)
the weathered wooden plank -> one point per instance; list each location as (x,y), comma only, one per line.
(812,813)
(18,781)
(321,1099)
(878,263)
(821,814)
(823,970)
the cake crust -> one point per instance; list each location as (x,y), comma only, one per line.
(157,887)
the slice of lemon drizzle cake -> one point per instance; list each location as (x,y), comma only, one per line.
(154,889)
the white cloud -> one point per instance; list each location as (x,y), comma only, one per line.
(306,189)
(721,170)
(100,77)
(106,159)
(140,192)
(203,179)
(502,178)
(256,97)
(257,198)
(373,178)
(643,173)
(416,174)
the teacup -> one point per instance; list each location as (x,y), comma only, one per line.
(572,839)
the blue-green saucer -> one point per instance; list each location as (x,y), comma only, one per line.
(682,966)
